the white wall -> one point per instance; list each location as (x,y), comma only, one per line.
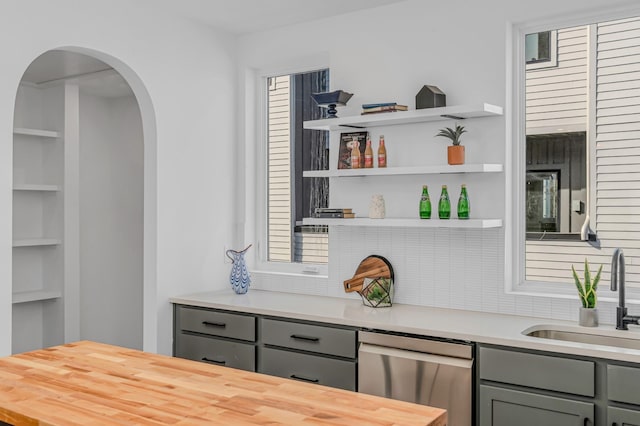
(111,220)
(183,75)
(387,54)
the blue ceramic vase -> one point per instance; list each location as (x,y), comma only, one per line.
(239,278)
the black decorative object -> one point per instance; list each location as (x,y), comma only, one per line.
(331,100)
(430,97)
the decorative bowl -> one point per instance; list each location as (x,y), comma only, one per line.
(337,97)
(331,100)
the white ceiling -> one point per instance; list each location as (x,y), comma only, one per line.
(246,16)
(234,16)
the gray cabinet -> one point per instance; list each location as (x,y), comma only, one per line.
(508,407)
(332,372)
(299,350)
(316,353)
(622,417)
(217,351)
(526,389)
(623,385)
(309,337)
(215,337)
(538,371)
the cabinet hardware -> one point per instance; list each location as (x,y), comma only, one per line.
(204,358)
(304,379)
(214,324)
(306,338)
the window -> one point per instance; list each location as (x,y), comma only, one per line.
(541,49)
(538,47)
(290,149)
(577,159)
(556,185)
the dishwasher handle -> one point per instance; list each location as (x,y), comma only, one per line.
(416,356)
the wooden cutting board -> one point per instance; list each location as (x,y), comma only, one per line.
(373,266)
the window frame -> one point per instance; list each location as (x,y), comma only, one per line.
(262,264)
(515,154)
(553,52)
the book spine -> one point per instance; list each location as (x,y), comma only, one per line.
(383,104)
(328,210)
(383,109)
(330,215)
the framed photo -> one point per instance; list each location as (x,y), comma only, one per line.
(346,145)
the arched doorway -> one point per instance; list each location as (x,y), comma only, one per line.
(84,197)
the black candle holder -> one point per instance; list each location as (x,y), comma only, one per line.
(331,100)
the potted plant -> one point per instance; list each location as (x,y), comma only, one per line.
(587,292)
(455,152)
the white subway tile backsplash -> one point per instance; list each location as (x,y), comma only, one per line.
(440,267)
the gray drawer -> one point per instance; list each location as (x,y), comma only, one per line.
(308,368)
(217,323)
(216,351)
(312,338)
(538,371)
(623,384)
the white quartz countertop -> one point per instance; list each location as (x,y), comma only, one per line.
(472,326)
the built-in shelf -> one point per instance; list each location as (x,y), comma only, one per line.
(35,187)
(36,132)
(35,296)
(414,170)
(34,242)
(407,222)
(405,117)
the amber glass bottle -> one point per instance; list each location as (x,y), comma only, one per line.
(355,154)
(382,153)
(368,155)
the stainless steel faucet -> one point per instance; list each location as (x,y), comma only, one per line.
(617,276)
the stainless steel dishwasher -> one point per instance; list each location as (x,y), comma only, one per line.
(428,372)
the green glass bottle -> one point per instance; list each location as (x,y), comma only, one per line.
(444,205)
(425,204)
(463,204)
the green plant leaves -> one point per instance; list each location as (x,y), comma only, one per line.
(587,290)
(453,134)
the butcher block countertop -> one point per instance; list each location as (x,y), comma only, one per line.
(88,383)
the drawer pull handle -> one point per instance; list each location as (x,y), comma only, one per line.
(305,338)
(214,324)
(204,358)
(304,379)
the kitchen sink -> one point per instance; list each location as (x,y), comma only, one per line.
(579,337)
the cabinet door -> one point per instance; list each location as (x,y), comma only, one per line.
(506,407)
(336,373)
(309,337)
(216,351)
(622,417)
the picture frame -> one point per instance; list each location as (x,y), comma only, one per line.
(346,145)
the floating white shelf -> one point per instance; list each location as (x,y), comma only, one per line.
(416,170)
(35,296)
(405,117)
(34,242)
(36,132)
(407,222)
(35,187)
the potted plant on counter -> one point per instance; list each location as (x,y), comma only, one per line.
(455,152)
(587,292)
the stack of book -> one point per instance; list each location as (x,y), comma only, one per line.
(382,107)
(327,213)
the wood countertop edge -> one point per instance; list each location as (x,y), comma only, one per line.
(94,383)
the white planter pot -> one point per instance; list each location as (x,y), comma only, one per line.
(588,317)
